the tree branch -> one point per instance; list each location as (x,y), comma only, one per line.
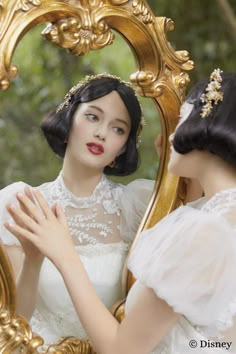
(227,13)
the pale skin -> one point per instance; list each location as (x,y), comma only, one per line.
(194,190)
(151,318)
(104,121)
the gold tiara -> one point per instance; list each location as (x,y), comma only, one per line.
(212,95)
(89,78)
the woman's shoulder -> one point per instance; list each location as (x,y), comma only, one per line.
(141,184)
(12,189)
(8,196)
(135,195)
(132,200)
(136,187)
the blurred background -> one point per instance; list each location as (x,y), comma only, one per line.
(205,28)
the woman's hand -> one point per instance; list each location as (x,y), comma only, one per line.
(30,251)
(44,228)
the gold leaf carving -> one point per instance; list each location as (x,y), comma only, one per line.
(16,333)
(25,5)
(169,24)
(146,84)
(118,2)
(79,36)
(70,345)
(141,9)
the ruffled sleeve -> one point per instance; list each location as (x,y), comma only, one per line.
(133,203)
(7,195)
(189,260)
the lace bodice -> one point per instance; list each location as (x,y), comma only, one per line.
(197,244)
(102,226)
(98,215)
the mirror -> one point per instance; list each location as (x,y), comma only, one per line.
(161,75)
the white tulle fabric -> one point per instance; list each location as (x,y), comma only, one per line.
(99,228)
(189,260)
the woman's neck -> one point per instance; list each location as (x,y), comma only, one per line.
(217,175)
(80,180)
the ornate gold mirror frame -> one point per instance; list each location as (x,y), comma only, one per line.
(81,26)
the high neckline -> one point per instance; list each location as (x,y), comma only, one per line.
(221,198)
(69,198)
(100,185)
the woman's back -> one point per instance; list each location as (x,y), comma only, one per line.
(193,269)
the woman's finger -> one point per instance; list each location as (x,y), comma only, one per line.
(21,218)
(60,214)
(19,232)
(30,208)
(29,195)
(43,204)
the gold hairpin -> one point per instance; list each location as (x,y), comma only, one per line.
(212,95)
(89,78)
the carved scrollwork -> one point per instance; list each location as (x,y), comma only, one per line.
(140,9)
(16,333)
(70,345)
(25,5)
(118,2)
(79,35)
(145,82)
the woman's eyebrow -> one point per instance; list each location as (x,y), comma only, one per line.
(120,120)
(96,107)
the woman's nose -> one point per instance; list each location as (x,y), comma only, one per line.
(100,133)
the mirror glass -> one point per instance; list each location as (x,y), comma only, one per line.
(46,73)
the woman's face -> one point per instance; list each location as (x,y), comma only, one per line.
(182,164)
(99,131)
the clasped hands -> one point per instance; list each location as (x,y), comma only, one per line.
(41,230)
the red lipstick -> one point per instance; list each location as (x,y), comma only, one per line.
(95,148)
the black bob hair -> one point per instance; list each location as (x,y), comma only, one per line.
(215,133)
(57,124)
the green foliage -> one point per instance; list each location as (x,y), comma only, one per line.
(47,72)
(201,28)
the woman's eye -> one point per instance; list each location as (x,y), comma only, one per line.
(118,130)
(91,117)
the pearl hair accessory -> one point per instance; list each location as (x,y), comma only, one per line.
(212,95)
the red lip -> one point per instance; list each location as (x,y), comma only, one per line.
(95,148)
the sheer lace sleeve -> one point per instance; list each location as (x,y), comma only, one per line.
(7,195)
(189,259)
(133,203)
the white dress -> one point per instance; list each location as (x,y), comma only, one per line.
(102,226)
(189,260)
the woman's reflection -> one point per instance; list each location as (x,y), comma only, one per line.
(96,130)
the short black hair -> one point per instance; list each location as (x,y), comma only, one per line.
(215,133)
(57,124)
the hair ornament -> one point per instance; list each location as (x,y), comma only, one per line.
(88,79)
(212,95)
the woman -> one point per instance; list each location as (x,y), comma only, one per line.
(184,299)
(96,130)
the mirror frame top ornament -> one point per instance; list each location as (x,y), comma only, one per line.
(162,74)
